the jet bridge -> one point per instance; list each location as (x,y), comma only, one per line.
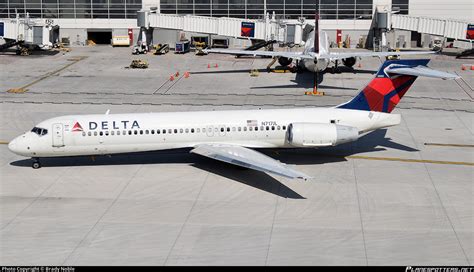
(27,33)
(267,29)
(447,28)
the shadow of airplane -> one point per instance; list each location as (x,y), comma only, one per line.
(368,143)
(302,80)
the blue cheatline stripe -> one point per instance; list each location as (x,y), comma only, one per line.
(388,96)
(357,103)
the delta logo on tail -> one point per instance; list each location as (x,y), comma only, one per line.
(385,91)
(77,127)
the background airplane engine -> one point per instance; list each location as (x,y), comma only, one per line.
(284,61)
(349,62)
(318,134)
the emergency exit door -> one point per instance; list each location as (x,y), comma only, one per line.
(58,135)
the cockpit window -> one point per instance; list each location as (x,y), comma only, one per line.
(39,131)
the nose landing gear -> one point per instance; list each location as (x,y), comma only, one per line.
(36,163)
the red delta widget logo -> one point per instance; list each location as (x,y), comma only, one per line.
(105,125)
(247,29)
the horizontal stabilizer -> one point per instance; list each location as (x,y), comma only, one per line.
(418,71)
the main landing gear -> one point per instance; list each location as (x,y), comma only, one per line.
(36,163)
(335,69)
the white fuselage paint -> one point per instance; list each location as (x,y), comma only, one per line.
(321,64)
(188,129)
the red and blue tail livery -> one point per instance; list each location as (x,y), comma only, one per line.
(386,90)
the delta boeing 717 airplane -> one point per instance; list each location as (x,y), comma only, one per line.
(229,136)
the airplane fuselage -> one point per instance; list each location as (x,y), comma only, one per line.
(320,64)
(123,133)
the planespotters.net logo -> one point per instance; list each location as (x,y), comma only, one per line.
(438,269)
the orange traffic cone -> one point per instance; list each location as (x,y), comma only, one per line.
(216,65)
(472,67)
(208,65)
(171,78)
(359,65)
(177,74)
(186,74)
(463,67)
(315,90)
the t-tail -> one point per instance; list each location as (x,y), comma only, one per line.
(392,81)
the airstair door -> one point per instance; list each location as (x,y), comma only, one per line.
(58,135)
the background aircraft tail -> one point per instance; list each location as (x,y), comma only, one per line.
(392,81)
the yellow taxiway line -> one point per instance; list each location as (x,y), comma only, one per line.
(450,145)
(24,89)
(409,160)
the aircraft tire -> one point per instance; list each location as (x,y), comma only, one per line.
(36,165)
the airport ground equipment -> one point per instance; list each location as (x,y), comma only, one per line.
(140,49)
(27,34)
(182,47)
(200,46)
(465,53)
(162,49)
(139,64)
(120,41)
(199,42)
(220,43)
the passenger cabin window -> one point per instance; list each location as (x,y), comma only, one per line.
(39,131)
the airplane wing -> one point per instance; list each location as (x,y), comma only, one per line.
(247,158)
(344,55)
(292,55)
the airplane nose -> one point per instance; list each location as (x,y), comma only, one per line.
(16,146)
(13,145)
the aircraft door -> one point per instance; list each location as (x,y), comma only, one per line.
(58,135)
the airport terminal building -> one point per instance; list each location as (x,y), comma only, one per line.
(80,20)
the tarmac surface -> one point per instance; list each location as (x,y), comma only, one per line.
(397,196)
